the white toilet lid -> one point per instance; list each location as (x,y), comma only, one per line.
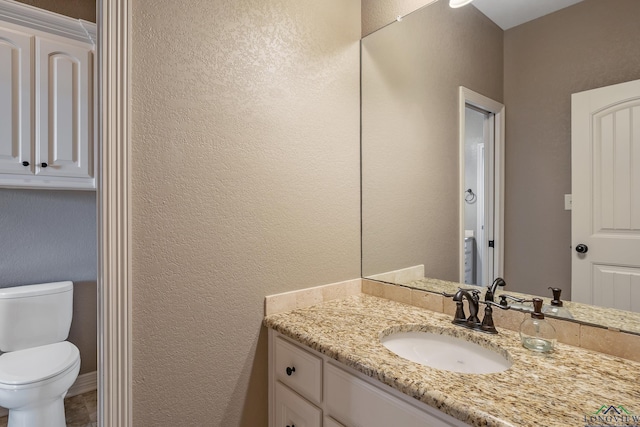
(38,363)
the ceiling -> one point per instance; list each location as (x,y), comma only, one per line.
(511,13)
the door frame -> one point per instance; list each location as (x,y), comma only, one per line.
(114,213)
(481,209)
(494,154)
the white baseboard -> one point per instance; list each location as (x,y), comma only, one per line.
(84,384)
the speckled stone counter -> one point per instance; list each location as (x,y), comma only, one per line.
(563,388)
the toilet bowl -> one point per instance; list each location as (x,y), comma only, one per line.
(38,365)
(34,382)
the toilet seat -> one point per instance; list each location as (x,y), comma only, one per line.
(37,364)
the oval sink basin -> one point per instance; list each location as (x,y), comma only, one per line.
(446,352)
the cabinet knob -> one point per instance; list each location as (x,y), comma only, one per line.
(290,370)
(25,163)
(44,164)
(291,425)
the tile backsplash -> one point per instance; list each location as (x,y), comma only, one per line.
(287,301)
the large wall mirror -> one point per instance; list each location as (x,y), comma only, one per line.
(414,192)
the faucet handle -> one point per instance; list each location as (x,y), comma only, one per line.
(503,299)
(487,321)
(459,316)
(501,306)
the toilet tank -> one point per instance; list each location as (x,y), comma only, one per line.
(35,315)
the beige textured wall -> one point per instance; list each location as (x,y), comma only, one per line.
(410,133)
(245,183)
(81,9)
(592,44)
(376,14)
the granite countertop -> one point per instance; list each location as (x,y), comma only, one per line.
(562,388)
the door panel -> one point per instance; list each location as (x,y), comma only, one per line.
(15,102)
(618,287)
(64,126)
(615,176)
(606,195)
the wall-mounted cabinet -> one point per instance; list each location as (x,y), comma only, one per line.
(47,130)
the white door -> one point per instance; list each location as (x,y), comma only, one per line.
(64,109)
(606,196)
(15,102)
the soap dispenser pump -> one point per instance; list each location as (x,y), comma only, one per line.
(556,308)
(535,332)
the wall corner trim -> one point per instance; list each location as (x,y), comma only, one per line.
(114,215)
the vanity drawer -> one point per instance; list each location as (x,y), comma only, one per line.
(299,369)
(293,410)
(356,403)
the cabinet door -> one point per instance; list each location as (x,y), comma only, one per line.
(15,102)
(294,411)
(63,109)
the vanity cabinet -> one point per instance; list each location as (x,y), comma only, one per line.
(46,107)
(307,389)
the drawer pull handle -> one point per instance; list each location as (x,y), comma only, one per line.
(289,372)
(291,425)
(25,163)
(43,164)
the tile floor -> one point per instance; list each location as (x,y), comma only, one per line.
(81,410)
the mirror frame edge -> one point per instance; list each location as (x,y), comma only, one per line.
(114,214)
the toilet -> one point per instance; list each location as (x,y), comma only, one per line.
(37,364)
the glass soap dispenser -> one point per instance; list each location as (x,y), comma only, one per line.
(535,332)
(556,307)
